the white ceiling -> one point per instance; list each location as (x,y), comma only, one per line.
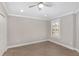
(57,9)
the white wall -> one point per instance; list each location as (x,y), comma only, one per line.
(3,34)
(3,30)
(77,31)
(23,30)
(67,30)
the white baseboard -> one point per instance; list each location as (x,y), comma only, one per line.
(39,42)
(76,49)
(62,44)
(2,52)
(28,43)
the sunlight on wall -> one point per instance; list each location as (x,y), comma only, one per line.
(55,29)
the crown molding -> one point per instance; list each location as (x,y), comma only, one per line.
(38,18)
(77,11)
(5,7)
(35,18)
(68,13)
(64,14)
(2,14)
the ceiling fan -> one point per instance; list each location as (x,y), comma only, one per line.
(40,5)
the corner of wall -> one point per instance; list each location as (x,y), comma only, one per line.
(28,43)
(50,40)
(3,51)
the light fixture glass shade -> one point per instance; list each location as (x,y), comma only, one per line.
(21,10)
(40,5)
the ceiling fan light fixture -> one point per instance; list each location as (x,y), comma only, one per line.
(21,10)
(40,5)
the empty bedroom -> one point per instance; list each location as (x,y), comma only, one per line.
(39,28)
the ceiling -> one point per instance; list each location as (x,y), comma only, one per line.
(58,8)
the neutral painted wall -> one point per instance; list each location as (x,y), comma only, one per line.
(77,31)
(3,34)
(67,30)
(3,30)
(23,30)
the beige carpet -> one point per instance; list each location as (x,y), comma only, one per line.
(41,49)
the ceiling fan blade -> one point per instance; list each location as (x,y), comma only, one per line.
(32,6)
(48,4)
